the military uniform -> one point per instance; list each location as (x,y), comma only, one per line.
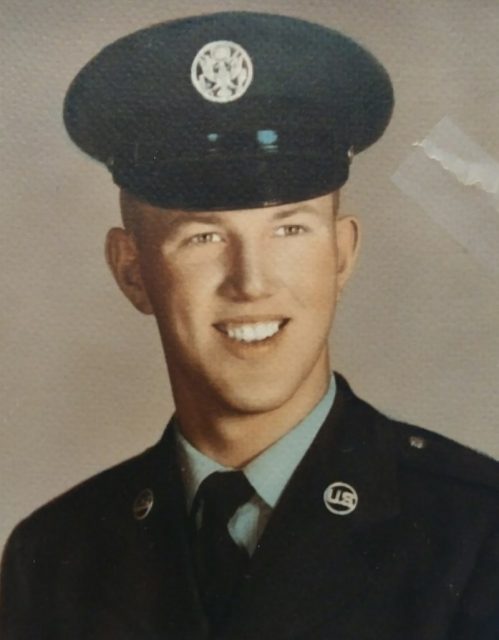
(384,531)
(418,558)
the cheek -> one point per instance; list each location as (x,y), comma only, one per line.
(311,275)
(180,295)
(156,279)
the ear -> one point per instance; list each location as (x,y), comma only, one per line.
(348,243)
(122,256)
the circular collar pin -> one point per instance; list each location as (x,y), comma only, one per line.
(222,71)
(340,498)
(143,504)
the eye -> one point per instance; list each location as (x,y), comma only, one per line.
(206,238)
(290,230)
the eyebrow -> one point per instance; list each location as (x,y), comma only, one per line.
(286,213)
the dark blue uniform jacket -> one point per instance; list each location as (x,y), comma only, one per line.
(418,559)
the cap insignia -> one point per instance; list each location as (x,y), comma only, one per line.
(222,71)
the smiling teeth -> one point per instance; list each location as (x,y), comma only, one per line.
(253,332)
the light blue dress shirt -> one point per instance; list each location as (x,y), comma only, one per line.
(268,473)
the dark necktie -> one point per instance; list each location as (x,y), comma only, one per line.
(220,562)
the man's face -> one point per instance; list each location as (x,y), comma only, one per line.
(244,300)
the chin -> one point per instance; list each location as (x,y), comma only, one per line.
(250,404)
(252,397)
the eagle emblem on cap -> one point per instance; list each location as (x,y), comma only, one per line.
(222,71)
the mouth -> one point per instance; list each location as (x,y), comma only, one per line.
(252,331)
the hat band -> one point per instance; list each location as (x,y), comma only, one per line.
(234,170)
(222,184)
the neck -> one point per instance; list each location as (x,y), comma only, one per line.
(234,438)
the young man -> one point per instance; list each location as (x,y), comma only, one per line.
(277,504)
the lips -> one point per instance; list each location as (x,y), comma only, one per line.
(251,330)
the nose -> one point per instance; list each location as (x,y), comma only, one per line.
(248,274)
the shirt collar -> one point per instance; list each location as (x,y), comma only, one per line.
(194,466)
(269,472)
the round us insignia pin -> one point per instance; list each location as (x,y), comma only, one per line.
(340,498)
(222,71)
(143,504)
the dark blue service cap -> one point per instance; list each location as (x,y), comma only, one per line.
(229,110)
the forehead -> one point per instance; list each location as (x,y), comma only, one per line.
(150,215)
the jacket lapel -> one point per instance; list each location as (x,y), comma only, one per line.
(311,563)
(152,587)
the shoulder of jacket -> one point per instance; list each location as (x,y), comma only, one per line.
(425,450)
(434,453)
(100,493)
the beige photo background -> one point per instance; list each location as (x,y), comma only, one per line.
(83,383)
